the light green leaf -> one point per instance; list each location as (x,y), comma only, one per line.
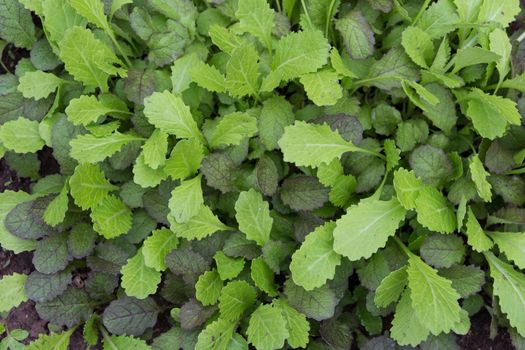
(157,246)
(185,159)
(296,323)
(407,187)
(235,298)
(263,277)
(232,129)
(476,237)
(12,292)
(257,18)
(216,336)
(329,173)
(169,113)
(339,65)
(124,342)
(434,211)
(315,261)
(366,227)
(418,46)
(516,83)
(479,176)
(391,287)
(38,84)
(21,135)
(512,244)
(276,114)
(111,217)
(500,11)
(138,279)
(86,109)
(500,45)
(91,149)
(308,144)
(93,11)
(242,71)
(155,148)
(296,54)
(224,38)
(186,200)
(439,19)
(199,226)
(509,287)
(180,72)
(208,287)
(322,87)
(406,327)
(53,341)
(473,55)
(228,267)
(208,77)
(434,300)
(267,328)
(57,208)
(253,216)
(89,186)
(88,59)
(145,176)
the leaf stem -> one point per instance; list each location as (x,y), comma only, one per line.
(303,4)
(278,4)
(119,48)
(421,11)
(328,18)
(403,247)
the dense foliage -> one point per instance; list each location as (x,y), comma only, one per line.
(309,174)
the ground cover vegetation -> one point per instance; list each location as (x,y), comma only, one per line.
(239,174)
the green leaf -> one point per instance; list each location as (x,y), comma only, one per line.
(315,261)
(89,185)
(296,323)
(72,307)
(393,67)
(169,113)
(407,187)
(185,159)
(88,59)
(296,54)
(318,304)
(257,18)
(263,277)
(180,72)
(466,280)
(92,149)
(406,327)
(357,35)
(93,11)
(322,87)
(138,279)
(490,114)
(184,261)
(242,71)
(236,297)
(418,46)
(130,316)
(208,77)
(431,165)
(54,341)
(434,301)
(21,135)
(434,211)
(308,144)
(122,342)
(267,328)
(339,65)
(442,251)
(476,237)
(232,129)
(8,201)
(366,227)
(509,287)
(276,114)
(12,291)
(253,216)
(157,246)
(155,148)
(216,336)
(86,109)
(473,55)
(186,200)
(303,193)
(228,267)
(391,287)
(512,244)
(111,217)
(267,175)
(16,24)
(38,84)
(479,176)
(208,288)
(203,224)
(41,287)
(51,254)
(56,210)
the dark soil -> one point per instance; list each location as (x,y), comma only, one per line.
(478,338)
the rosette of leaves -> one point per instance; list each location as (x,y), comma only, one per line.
(227,167)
